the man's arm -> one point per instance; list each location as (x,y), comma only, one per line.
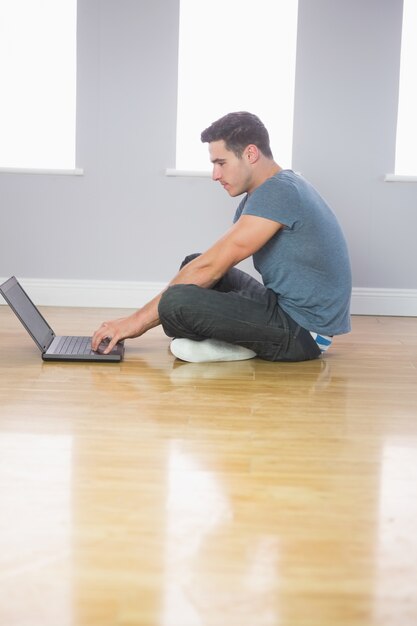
(242,240)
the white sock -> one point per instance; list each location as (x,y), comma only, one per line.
(209,350)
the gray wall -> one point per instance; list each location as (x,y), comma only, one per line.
(134,223)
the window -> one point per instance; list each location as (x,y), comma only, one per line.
(406,152)
(235,55)
(38,84)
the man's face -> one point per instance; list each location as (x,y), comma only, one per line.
(234,173)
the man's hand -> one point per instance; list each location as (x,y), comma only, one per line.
(116,330)
(127,327)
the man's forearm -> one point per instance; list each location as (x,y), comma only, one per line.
(197,272)
(201,271)
(204,271)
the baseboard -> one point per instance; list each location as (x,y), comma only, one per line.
(90,293)
(401,302)
(134,294)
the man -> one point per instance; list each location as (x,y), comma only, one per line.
(216,312)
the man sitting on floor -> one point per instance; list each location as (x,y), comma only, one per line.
(216,312)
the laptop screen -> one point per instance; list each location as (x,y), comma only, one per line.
(26,311)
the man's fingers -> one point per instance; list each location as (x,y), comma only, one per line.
(111,345)
(99,336)
(112,331)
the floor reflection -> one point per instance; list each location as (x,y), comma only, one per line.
(199,515)
(35,528)
(397,542)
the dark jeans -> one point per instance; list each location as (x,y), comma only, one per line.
(240,310)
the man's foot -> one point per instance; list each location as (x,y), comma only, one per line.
(209,350)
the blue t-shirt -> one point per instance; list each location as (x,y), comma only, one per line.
(307,262)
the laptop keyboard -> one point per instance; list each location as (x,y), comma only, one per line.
(74,345)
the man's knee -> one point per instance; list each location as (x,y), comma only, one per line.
(175,299)
(177,310)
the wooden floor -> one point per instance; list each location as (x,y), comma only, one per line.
(157,493)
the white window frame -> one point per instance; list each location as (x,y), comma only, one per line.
(222,62)
(406,140)
(38,75)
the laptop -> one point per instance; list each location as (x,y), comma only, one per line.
(53,347)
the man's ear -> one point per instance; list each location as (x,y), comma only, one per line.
(251,153)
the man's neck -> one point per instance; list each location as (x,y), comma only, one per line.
(274,169)
(269,169)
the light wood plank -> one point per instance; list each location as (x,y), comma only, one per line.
(154,492)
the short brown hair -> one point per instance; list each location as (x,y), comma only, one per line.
(238,130)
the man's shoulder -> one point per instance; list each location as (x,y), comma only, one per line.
(280,190)
(285,182)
